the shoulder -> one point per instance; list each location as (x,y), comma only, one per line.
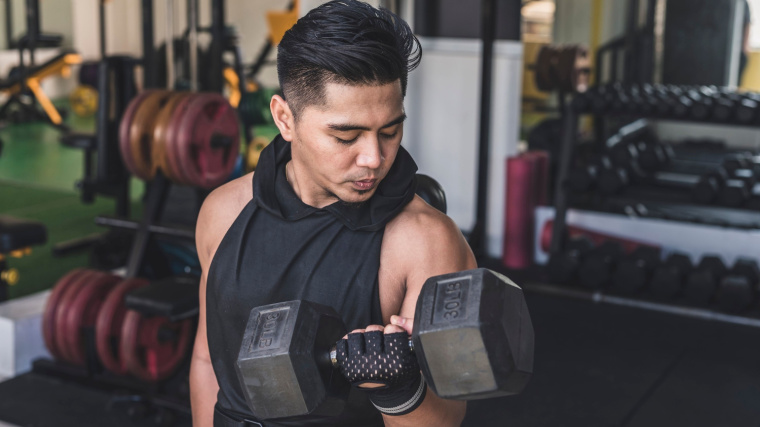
(219,210)
(419,243)
(421,237)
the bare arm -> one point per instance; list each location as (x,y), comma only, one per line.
(219,211)
(426,244)
(203,384)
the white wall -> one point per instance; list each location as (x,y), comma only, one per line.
(441,133)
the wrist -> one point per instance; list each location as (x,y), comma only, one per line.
(399,399)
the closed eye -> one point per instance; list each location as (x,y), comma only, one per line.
(346,141)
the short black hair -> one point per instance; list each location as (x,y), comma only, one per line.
(347,42)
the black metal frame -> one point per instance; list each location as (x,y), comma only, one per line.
(478,238)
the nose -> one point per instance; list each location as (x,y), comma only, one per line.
(370,155)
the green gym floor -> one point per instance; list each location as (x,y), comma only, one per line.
(37,182)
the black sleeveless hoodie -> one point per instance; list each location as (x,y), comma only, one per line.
(280,249)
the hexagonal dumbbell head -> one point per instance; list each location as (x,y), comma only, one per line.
(284,365)
(473,335)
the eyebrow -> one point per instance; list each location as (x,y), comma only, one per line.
(348,126)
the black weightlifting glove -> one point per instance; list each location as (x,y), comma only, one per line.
(374,357)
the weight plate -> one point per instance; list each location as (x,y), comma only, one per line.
(61,338)
(125,126)
(109,323)
(141,133)
(81,314)
(173,162)
(152,348)
(546,61)
(208,140)
(51,308)
(159,150)
(573,68)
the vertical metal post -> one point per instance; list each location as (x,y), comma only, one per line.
(569,130)
(102,12)
(488,23)
(9,24)
(148,60)
(169,32)
(192,23)
(32,27)
(217,46)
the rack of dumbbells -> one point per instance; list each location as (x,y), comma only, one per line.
(632,173)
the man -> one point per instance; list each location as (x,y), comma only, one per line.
(329,216)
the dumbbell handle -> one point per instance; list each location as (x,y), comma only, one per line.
(334,353)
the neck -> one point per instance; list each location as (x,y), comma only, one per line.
(310,195)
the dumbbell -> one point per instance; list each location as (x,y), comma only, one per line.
(668,278)
(582,179)
(611,179)
(703,102)
(746,111)
(634,272)
(563,266)
(738,289)
(599,264)
(702,283)
(472,336)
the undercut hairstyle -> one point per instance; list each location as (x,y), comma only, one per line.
(345,42)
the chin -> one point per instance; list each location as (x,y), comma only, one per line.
(357,197)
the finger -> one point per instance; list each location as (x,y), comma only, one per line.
(341,350)
(373,328)
(390,329)
(397,342)
(373,342)
(404,322)
(355,331)
(355,343)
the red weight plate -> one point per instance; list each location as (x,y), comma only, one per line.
(146,355)
(208,116)
(83,311)
(172,152)
(141,133)
(109,322)
(124,126)
(51,307)
(67,298)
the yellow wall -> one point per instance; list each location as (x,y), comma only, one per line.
(751,77)
(530,52)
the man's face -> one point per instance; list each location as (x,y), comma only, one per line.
(343,149)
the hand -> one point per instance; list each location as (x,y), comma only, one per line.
(379,360)
(378,356)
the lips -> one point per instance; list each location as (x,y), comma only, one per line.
(365,184)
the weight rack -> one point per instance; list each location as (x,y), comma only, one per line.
(571,114)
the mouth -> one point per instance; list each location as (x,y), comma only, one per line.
(364,184)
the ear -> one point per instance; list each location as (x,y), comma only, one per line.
(283,117)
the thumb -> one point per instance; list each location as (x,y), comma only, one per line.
(404,322)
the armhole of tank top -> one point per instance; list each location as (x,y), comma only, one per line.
(212,264)
(377,306)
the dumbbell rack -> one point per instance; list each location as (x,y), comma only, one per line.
(570,119)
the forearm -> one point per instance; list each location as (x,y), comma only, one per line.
(433,411)
(203,391)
